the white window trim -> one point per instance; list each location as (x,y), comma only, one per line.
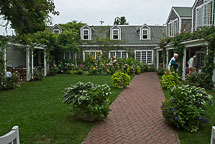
(119,33)
(148,33)
(91,51)
(59,31)
(89,34)
(118,51)
(70,54)
(173,21)
(203,10)
(135,52)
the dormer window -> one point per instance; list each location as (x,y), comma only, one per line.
(56,31)
(115,33)
(86,34)
(145,33)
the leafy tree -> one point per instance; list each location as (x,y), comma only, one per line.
(27,16)
(120,21)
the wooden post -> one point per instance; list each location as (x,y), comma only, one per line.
(184,64)
(157,56)
(28,71)
(5,60)
(32,63)
(45,63)
(167,59)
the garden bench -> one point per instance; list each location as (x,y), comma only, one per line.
(213,135)
(12,137)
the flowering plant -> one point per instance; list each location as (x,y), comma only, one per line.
(186,107)
(89,101)
(120,79)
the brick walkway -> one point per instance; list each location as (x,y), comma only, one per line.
(136,116)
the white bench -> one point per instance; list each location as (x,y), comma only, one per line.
(12,137)
(213,135)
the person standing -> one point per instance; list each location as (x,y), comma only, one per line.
(173,65)
(191,64)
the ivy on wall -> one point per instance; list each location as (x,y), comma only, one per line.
(207,34)
(3,43)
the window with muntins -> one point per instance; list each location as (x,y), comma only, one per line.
(173,28)
(86,34)
(144,56)
(69,55)
(91,54)
(204,14)
(144,34)
(115,33)
(118,54)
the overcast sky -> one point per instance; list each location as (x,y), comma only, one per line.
(136,11)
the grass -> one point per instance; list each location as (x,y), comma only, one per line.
(37,109)
(204,134)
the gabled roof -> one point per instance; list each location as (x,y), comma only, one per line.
(183,11)
(130,34)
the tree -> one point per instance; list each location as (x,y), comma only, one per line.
(27,16)
(120,21)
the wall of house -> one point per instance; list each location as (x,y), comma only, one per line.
(186,25)
(16,56)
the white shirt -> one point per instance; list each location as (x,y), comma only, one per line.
(191,62)
(172,59)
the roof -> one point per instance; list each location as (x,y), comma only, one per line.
(129,34)
(183,11)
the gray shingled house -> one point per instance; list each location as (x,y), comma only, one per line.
(121,41)
(179,20)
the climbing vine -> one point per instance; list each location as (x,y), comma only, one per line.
(3,43)
(207,34)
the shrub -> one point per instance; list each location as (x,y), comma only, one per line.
(169,80)
(120,79)
(89,101)
(38,74)
(7,83)
(53,70)
(199,80)
(160,71)
(186,107)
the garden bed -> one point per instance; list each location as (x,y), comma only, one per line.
(204,133)
(37,109)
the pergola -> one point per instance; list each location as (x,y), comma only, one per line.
(187,45)
(11,55)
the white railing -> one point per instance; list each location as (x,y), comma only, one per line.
(12,137)
(213,135)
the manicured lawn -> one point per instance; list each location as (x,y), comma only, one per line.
(37,109)
(204,134)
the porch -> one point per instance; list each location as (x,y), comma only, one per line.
(24,60)
(193,47)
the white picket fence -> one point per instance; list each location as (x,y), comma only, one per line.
(213,135)
(12,137)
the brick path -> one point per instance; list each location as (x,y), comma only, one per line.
(136,116)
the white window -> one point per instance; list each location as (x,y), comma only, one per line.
(145,34)
(144,56)
(115,34)
(118,54)
(86,34)
(94,54)
(173,28)
(56,31)
(199,58)
(204,14)
(69,55)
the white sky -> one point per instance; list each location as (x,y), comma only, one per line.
(93,11)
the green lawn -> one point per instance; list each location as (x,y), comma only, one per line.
(204,134)
(37,109)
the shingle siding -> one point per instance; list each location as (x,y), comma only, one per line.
(173,16)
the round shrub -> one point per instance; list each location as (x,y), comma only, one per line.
(89,101)
(169,80)
(7,83)
(120,80)
(186,107)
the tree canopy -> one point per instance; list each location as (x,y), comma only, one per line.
(27,16)
(120,21)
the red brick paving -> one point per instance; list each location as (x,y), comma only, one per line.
(136,116)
